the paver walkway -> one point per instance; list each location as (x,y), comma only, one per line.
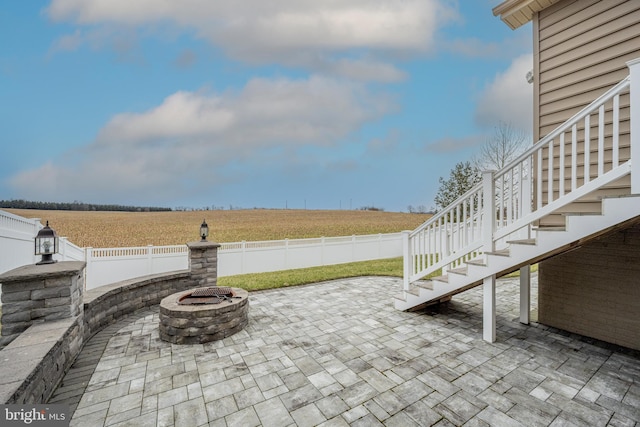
(338,354)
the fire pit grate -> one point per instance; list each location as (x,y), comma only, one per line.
(210,292)
(207,296)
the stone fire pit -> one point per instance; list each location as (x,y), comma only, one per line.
(203,315)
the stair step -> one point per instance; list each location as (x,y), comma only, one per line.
(582,213)
(530,242)
(462,271)
(413,290)
(399,296)
(550,228)
(581,206)
(424,284)
(444,278)
(477,261)
(502,252)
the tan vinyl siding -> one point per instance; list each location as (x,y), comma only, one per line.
(582,47)
(594,290)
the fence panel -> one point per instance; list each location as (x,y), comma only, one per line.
(110,265)
(261,257)
(17,243)
(16,240)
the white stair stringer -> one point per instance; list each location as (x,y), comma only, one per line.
(578,229)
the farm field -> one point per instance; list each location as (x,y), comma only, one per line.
(123,229)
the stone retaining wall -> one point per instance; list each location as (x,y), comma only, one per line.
(59,319)
(34,363)
(107,304)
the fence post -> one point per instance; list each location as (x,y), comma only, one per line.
(489,210)
(353,247)
(88,256)
(243,251)
(322,249)
(62,241)
(149,259)
(286,254)
(406,258)
(634,105)
(37,225)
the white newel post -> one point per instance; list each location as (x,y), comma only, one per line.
(489,210)
(406,257)
(489,283)
(634,102)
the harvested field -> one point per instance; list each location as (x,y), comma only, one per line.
(122,229)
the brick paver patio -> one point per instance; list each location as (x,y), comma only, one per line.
(338,354)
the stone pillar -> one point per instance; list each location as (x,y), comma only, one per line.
(203,263)
(39,293)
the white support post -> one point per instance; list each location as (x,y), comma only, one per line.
(406,258)
(634,103)
(525,294)
(489,309)
(489,210)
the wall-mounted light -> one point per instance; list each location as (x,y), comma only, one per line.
(530,77)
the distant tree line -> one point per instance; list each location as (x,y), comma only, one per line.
(75,206)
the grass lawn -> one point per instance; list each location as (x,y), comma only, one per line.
(279,279)
(303,276)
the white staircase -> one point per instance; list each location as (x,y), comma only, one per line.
(542,204)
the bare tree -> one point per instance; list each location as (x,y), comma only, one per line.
(504,146)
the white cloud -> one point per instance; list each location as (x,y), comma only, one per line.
(366,70)
(69,42)
(191,140)
(294,32)
(508,98)
(451,145)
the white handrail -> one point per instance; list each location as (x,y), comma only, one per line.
(460,230)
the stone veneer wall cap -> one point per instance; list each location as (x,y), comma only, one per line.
(203,245)
(35,272)
(130,284)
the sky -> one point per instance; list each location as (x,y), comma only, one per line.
(316,104)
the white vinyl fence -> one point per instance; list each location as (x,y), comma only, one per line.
(257,257)
(110,265)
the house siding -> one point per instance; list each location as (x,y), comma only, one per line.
(595,290)
(581,48)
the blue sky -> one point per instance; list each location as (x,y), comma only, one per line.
(289,103)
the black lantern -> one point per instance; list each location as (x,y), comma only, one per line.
(204,231)
(46,244)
